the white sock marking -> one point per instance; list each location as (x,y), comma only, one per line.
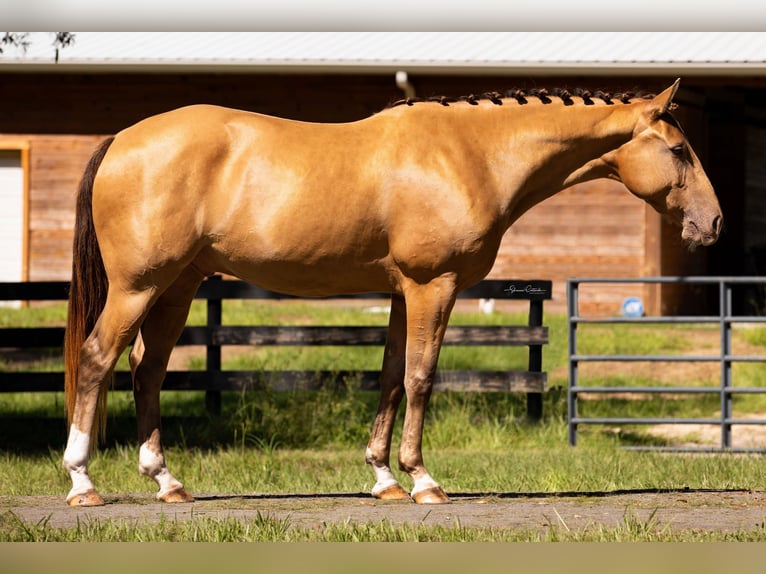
(423,482)
(152,464)
(384,478)
(76,461)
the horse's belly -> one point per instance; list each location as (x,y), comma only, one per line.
(310,276)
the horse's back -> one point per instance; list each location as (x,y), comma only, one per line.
(302,207)
(244,193)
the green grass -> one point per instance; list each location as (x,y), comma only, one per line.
(269,442)
(34,316)
(268,416)
(266,528)
(472,443)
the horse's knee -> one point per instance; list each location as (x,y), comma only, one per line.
(419,385)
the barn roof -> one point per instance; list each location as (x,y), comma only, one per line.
(726,53)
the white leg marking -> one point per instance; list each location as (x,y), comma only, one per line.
(76,462)
(384,478)
(153,465)
(423,482)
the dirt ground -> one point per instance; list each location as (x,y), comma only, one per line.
(721,511)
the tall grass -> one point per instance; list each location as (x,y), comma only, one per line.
(313,441)
(473,444)
(328,418)
(267,528)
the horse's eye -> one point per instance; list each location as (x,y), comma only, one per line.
(678,150)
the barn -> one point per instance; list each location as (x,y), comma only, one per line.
(56,105)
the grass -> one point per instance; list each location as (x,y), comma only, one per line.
(472,445)
(296,442)
(266,528)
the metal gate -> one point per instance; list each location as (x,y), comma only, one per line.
(725,357)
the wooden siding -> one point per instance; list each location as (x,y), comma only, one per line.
(106,103)
(55,166)
(597,229)
(589,230)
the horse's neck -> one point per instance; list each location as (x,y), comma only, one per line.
(553,147)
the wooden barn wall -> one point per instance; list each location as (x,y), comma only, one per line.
(105,103)
(589,230)
(55,166)
(595,229)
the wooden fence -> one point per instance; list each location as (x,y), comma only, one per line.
(213,380)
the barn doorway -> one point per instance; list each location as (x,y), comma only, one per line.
(14,218)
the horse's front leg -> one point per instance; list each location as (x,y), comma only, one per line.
(391,393)
(428,310)
(147,379)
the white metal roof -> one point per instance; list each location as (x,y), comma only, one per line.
(427,52)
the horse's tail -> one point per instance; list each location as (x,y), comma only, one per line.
(87,291)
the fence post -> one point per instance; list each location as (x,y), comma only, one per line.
(573,312)
(213,356)
(535,400)
(726,351)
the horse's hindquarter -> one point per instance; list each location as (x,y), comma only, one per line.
(298,207)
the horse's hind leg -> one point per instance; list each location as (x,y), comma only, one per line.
(148,363)
(116,326)
(391,393)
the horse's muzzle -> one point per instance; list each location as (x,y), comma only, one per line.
(695,235)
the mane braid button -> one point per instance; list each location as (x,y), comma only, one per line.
(518,95)
(494,97)
(542,95)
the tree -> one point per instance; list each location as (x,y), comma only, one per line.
(21,40)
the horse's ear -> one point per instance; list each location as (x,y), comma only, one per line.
(662,103)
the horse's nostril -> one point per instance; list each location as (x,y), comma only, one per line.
(717,224)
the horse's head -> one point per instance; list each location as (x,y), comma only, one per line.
(659,166)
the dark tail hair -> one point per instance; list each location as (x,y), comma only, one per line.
(87,291)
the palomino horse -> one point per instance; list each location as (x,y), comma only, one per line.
(412,201)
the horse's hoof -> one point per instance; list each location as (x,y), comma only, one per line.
(393,492)
(433,495)
(179,494)
(88,498)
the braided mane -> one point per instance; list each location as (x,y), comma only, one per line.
(522,97)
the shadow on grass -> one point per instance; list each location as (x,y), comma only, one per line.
(468,496)
(29,435)
(304,419)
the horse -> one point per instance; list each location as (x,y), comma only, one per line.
(412,201)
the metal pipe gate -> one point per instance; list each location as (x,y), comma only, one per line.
(726,390)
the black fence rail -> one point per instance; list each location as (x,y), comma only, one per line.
(725,357)
(213,336)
